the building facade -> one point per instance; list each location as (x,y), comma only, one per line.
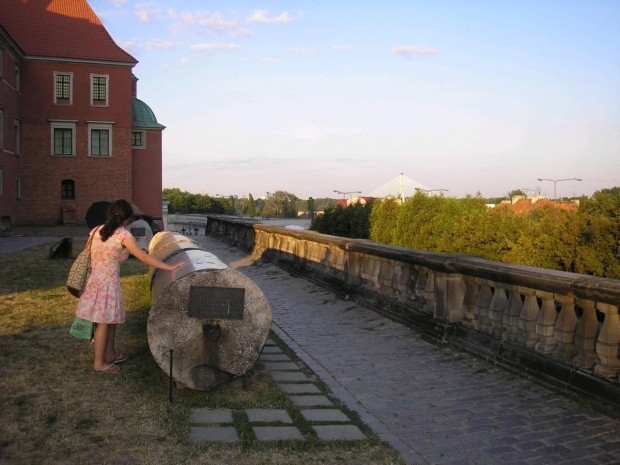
(69,136)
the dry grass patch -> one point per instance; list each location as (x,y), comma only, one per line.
(55,409)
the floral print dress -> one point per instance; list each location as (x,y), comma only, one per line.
(102,300)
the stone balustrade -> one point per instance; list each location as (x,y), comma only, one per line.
(564,328)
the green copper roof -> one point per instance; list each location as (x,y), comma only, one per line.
(143,116)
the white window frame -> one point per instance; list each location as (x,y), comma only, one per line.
(99,126)
(107,90)
(63,125)
(17,137)
(63,73)
(142,146)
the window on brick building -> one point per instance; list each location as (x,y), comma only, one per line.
(63,138)
(67,189)
(17,137)
(138,139)
(100,139)
(63,88)
(99,89)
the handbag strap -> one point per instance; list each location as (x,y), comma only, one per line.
(90,238)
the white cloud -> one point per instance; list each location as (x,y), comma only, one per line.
(262,16)
(145,14)
(118,3)
(158,44)
(412,51)
(305,51)
(215,46)
(343,48)
(127,46)
(204,21)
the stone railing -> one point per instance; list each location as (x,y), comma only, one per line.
(564,328)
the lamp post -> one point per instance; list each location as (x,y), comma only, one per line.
(344,194)
(555,181)
(431,190)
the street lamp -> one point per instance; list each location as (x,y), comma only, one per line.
(555,181)
(344,194)
(431,190)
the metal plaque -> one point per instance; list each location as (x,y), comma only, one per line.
(224,303)
(138,232)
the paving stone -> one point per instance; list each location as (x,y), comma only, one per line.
(266,415)
(338,432)
(324,415)
(277,433)
(206,415)
(275,358)
(311,401)
(213,434)
(280,366)
(290,376)
(303,388)
(272,350)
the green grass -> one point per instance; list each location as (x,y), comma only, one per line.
(55,409)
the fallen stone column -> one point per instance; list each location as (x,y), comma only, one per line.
(215,319)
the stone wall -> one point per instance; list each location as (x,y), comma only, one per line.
(561,328)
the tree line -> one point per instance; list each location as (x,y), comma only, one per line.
(586,241)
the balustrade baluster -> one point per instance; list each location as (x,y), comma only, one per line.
(496,311)
(564,331)
(608,342)
(429,293)
(482,322)
(585,335)
(528,318)
(511,315)
(420,284)
(545,323)
(472,289)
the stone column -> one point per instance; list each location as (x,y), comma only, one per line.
(449,296)
(469,302)
(429,293)
(528,318)
(482,322)
(511,315)
(585,335)
(608,342)
(545,323)
(496,311)
(564,332)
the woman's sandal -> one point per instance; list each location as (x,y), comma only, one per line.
(110,368)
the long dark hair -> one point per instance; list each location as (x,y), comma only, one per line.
(119,212)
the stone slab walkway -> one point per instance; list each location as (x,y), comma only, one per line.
(434,406)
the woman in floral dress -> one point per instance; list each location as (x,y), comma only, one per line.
(102,300)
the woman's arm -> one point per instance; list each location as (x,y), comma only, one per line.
(134,249)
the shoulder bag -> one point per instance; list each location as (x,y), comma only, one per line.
(80,270)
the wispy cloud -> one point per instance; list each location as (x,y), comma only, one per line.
(305,51)
(413,51)
(262,16)
(215,47)
(343,48)
(146,14)
(118,3)
(158,44)
(127,45)
(206,22)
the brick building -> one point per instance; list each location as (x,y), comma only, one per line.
(72,130)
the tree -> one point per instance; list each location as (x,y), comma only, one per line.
(280,204)
(251,206)
(311,211)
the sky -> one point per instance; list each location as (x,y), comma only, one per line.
(312,97)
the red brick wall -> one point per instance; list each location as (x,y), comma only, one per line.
(147,174)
